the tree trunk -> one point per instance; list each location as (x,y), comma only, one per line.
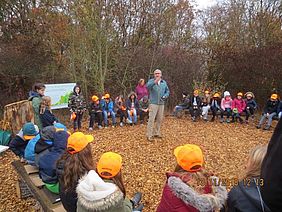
(17,114)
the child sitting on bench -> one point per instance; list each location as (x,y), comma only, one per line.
(19,143)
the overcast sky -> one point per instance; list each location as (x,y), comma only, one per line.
(202,4)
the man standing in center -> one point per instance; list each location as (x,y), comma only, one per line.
(158,93)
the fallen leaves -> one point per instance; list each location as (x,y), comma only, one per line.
(225,147)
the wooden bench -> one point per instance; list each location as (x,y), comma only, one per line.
(181,113)
(29,176)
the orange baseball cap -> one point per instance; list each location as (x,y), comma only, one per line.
(107,96)
(78,141)
(216,95)
(95,98)
(189,157)
(109,165)
(196,91)
(240,94)
(274,96)
(207,92)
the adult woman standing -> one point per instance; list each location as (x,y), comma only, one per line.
(35,96)
(141,89)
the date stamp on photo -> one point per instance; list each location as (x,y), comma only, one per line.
(247,182)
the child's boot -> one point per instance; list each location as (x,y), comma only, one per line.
(136,199)
(267,127)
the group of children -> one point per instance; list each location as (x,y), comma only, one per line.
(41,148)
(137,103)
(67,168)
(101,109)
(233,108)
(66,163)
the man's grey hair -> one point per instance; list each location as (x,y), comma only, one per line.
(157,70)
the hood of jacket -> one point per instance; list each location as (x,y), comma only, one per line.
(132,93)
(60,140)
(202,202)
(47,133)
(47,162)
(33,94)
(96,195)
(77,86)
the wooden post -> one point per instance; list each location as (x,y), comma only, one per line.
(17,114)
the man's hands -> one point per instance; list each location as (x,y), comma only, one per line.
(157,79)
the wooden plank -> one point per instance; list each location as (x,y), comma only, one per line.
(54,198)
(18,190)
(31,169)
(36,180)
(38,194)
(59,208)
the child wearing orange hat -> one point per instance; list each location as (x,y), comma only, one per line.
(270,110)
(188,188)
(238,106)
(215,105)
(104,190)
(20,141)
(95,113)
(108,110)
(73,164)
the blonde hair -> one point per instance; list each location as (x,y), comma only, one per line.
(141,80)
(196,180)
(45,103)
(256,157)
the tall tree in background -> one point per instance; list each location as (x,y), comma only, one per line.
(106,46)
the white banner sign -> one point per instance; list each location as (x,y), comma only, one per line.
(59,94)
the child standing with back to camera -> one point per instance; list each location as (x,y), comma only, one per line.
(47,118)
